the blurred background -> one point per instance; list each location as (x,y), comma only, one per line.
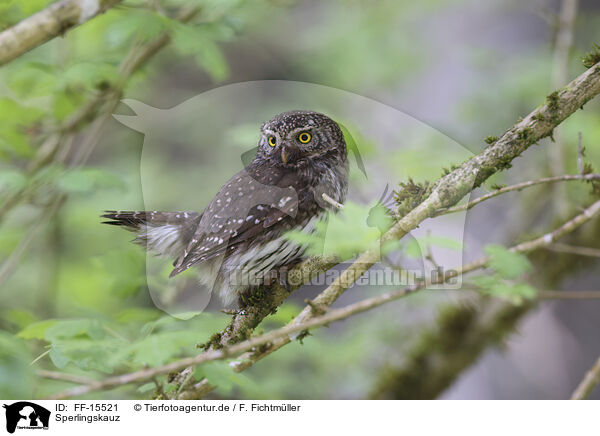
(419,85)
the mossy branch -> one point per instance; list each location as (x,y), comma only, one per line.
(248,318)
(244,321)
(47,24)
(459,336)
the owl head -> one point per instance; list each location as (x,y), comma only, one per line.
(295,139)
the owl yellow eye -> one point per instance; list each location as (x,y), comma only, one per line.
(304,137)
(272,141)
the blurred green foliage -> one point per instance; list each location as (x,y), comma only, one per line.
(77,300)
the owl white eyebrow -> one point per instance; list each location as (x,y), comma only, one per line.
(299,129)
(272,132)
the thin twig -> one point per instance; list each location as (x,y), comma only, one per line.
(571,249)
(331,201)
(72,378)
(580,167)
(569,295)
(518,187)
(589,382)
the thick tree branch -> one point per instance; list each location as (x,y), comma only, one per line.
(53,21)
(246,320)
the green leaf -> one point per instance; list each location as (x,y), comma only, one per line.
(192,40)
(211,58)
(65,103)
(159,348)
(34,79)
(136,315)
(16,373)
(12,179)
(85,354)
(500,288)
(11,346)
(76,327)
(36,330)
(58,358)
(142,23)
(14,119)
(146,387)
(155,350)
(363,222)
(21,318)
(89,73)
(506,263)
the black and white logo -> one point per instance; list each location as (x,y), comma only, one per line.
(26,415)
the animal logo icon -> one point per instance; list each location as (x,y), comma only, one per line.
(26,415)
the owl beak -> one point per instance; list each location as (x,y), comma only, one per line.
(285,155)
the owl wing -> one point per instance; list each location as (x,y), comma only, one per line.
(246,206)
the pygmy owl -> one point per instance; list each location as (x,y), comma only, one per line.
(237,242)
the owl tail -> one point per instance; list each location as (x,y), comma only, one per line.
(165,233)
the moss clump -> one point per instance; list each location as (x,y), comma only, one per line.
(552,101)
(446,171)
(214,342)
(252,297)
(410,195)
(490,139)
(592,58)
(303,334)
(525,133)
(539,117)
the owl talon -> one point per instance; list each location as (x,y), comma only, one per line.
(231,311)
